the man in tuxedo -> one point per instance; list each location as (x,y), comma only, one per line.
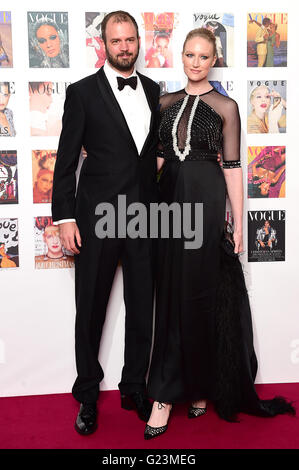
(113,115)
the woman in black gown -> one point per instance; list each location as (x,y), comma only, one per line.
(203,348)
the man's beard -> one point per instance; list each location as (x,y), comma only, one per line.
(120,63)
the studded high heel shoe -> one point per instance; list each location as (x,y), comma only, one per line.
(194,412)
(151,431)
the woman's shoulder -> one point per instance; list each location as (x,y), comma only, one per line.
(226,106)
(226,99)
(168,99)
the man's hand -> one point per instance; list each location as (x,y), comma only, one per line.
(219,159)
(69,233)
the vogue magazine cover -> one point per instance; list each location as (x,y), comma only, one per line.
(267,39)
(6,59)
(222,26)
(9,243)
(46,101)
(48,39)
(49,251)
(266,106)
(8,177)
(7,109)
(266,235)
(225,87)
(159,29)
(95,52)
(266,172)
(43,164)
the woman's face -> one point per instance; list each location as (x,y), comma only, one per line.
(198,58)
(162,46)
(4,97)
(48,40)
(260,99)
(267,224)
(45,182)
(53,242)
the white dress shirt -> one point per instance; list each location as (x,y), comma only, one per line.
(134,106)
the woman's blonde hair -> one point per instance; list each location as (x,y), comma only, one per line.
(202,33)
(253,92)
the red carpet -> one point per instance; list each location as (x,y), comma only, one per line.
(47,422)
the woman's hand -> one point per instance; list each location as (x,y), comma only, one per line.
(278,96)
(275,94)
(238,239)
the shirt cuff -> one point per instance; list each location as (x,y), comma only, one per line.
(63,221)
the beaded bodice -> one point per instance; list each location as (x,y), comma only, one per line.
(194,127)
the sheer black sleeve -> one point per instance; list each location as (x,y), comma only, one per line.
(231,135)
(165,101)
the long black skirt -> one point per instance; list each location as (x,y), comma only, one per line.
(203,344)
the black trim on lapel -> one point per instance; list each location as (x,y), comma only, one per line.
(147,91)
(151,104)
(113,105)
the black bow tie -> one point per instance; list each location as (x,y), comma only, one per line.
(122,82)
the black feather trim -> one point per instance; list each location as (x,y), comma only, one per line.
(236,360)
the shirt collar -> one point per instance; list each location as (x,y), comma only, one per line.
(112,74)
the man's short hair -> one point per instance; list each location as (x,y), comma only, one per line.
(119,16)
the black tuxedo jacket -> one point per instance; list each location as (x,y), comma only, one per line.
(93,118)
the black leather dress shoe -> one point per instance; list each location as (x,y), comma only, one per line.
(137,401)
(86,422)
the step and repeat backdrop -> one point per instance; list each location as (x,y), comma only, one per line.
(41,53)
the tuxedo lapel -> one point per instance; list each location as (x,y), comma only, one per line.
(112,104)
(151,104)
(116,111)
(147,91)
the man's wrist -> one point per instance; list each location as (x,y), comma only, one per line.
(63,221)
